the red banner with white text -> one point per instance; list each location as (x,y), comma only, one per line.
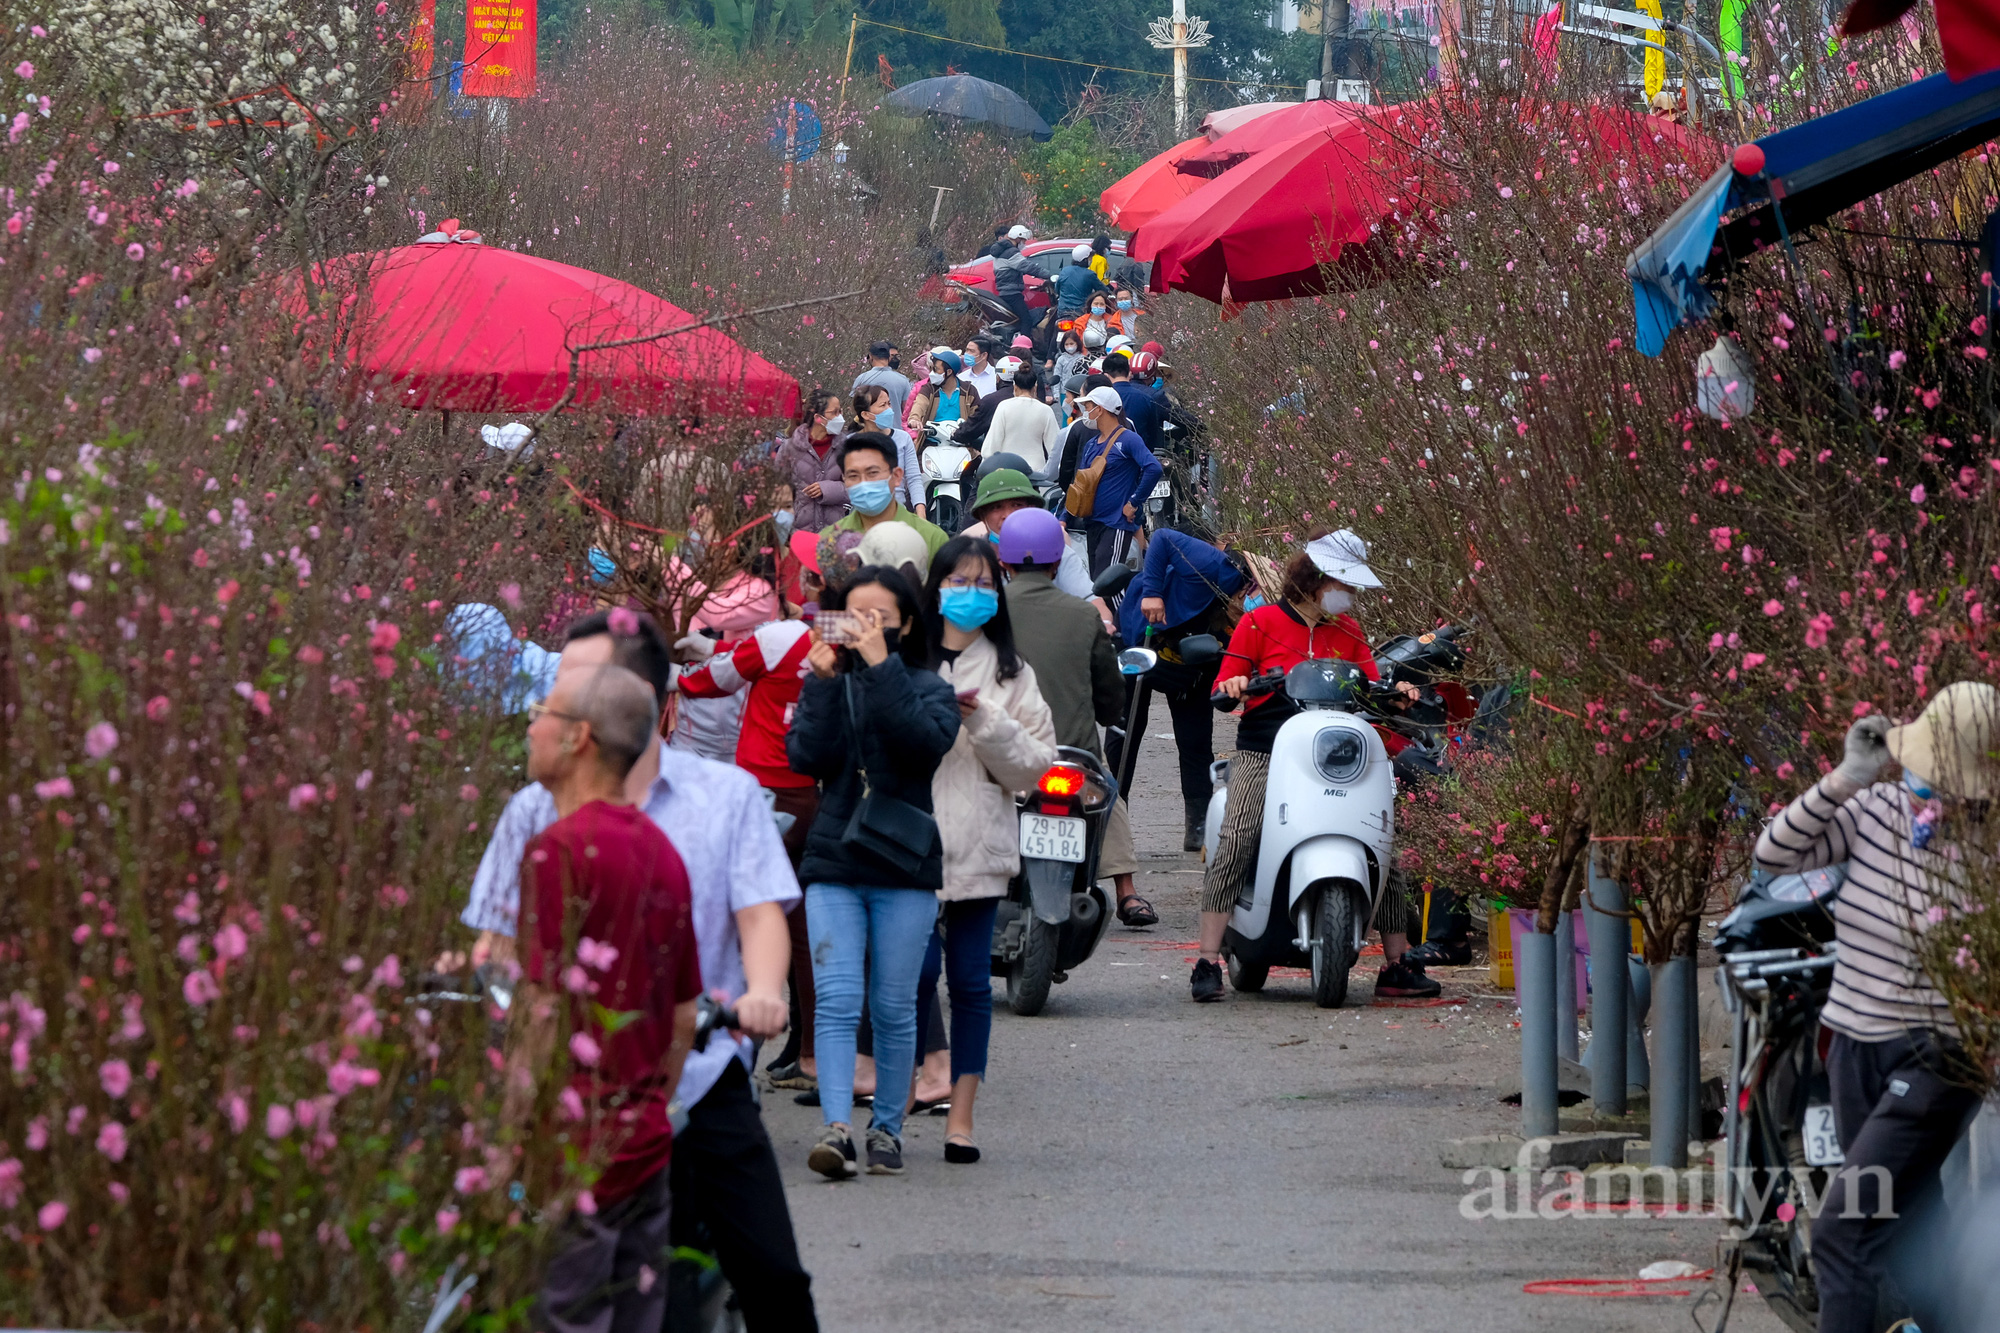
(499,48)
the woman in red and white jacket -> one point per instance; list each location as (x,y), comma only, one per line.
(767,667)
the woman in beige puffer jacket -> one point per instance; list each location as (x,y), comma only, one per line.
(1006,741)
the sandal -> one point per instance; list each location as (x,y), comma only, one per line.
(937,1107)
(790,1076)
(1136,911)
(811,1098)
(959,1150)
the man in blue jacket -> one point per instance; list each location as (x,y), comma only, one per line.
(1186,586)
(1144,409)
(1129,475)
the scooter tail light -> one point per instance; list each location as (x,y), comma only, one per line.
(1061,780)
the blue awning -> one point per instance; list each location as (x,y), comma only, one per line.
(1812,171)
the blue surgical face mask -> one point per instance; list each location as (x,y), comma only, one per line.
(602,566)
(886,418)
(1253,601)
(968,608)
(783,518)
(1124,305)
(1916,786)
(870,497)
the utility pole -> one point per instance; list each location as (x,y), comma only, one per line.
(853,23)
(1179,34)
(1333,19)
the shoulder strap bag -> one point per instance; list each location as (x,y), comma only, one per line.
(886,827)
(1081,498)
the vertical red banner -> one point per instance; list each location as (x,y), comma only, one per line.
(499,48)
(423,43)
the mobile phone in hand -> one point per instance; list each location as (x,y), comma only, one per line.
(838,627)
(969,696)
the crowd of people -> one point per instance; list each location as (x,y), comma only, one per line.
(807,802)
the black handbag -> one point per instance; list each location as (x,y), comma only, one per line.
(886,827)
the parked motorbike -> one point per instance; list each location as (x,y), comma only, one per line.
(946,468)
(1055,912)
(1777,966)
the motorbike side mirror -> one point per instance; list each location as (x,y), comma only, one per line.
(1113,580)
(1200,650)
(1137,661)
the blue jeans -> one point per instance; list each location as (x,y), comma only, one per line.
(963,951)
(857,932)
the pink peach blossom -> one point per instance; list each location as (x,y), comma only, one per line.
(584,1048)
(111,1140)
(115,1077)
(52,1215)
(200,988)
(277,1120)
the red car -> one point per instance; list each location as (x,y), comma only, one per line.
(1044,259)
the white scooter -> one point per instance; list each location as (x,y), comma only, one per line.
(1329,831)
(945,484)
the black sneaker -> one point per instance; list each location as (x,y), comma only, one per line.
(833,1155)
(1440,953)
(885,1153)
(1400,981)
(1206,983)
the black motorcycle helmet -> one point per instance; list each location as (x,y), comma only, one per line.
(994,462)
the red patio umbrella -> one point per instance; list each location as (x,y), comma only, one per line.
(1266,227)
(1266,131)
(453,324)
(1232,118)
(1143,194)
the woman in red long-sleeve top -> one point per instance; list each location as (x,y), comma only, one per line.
(1310,621)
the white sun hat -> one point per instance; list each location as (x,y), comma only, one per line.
(1951,744)
(1020,233)
(1344,556)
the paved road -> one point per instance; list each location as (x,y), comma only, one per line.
(1259,1164)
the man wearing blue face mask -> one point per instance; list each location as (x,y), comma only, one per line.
(871,474)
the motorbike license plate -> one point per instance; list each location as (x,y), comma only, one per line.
(1822,1144)
(1161,489)
(1052,838)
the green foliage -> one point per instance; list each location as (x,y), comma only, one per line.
(1070,171)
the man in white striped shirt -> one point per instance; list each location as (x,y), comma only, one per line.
(1901,1095)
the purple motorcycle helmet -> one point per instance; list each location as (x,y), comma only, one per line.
(1032,534)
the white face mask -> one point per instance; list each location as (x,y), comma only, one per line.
(1336,601)
(835,424)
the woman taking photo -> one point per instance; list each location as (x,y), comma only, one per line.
(1006,742)
(873,723)
(940,398)
(1310,621)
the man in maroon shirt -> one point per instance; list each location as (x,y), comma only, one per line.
(606,929)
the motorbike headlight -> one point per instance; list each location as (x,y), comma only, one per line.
(1340,754)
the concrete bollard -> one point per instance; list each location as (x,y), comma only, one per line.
(1673,1015)
(1610,992)
(1535,967)
(1565,937)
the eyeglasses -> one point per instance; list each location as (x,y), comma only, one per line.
(541,707)
(960,581)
